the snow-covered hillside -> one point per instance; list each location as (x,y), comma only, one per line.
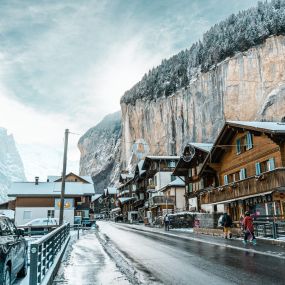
(11,166)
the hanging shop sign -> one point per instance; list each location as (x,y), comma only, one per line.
(68,204)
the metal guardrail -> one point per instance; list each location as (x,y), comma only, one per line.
(270,229)
(44,251)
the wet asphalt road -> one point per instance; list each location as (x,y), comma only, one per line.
(169,260)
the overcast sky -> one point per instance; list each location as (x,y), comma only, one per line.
(65,64)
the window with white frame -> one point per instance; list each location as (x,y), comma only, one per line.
(27,215)
(244,143)
(263,166)
(171,163)
(242,174)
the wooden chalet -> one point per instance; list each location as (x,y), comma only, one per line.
(247,166)
(188,167)
(108,200)
(175,189)
(42,199)
(158,174)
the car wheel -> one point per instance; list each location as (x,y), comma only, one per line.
(24,270)
(7,276)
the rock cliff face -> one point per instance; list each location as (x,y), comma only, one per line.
(248,86)
(100,152)
(11,166)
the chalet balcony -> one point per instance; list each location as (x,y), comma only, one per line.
(161,200)
(138,203)
(150,187)
(262,184)
(82,206)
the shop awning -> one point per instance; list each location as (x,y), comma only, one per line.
(242,198)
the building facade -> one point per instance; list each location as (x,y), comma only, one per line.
(247,163)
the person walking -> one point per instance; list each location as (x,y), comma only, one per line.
(166,222)
(248,229)
(227,223)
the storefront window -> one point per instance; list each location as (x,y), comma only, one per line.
(277,208)
(260,210)
(270,209)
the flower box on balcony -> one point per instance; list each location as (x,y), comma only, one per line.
(260,177)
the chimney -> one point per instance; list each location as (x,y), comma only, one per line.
(36,180)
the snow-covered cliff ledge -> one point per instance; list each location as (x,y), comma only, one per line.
(248,86)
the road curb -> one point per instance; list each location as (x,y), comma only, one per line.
(245,249)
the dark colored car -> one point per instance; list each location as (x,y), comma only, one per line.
(13,252)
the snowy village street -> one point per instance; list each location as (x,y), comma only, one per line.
(119,254)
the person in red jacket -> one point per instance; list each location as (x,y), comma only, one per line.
(248,228)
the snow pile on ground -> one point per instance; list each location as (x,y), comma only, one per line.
(184,230)
(87,263)
(124,266)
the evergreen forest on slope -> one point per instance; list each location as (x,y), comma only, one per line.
(235,34)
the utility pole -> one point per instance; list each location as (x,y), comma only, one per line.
(63,178)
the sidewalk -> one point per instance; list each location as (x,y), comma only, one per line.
(267,247)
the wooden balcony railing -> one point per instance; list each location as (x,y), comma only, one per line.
(266,182)
(159,200)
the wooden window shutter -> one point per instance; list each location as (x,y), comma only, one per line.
(257,168)
(242,174)
(271,164)
(226,180)
(249,144)
(238,146)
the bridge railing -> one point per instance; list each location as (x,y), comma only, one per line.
(45,254)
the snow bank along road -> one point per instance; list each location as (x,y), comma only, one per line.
(119,254)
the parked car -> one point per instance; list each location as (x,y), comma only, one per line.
(42,222)
(13,252)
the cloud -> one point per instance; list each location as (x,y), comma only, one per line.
(65,64)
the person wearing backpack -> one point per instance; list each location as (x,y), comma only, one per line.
(248,229)
(227,224)
(166,222)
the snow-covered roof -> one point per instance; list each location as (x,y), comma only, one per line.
(127,175)
(270,126)
(8,213)
(87,178)
(177,182)
(204,146)
(125,199)
(95,197)
(112,190)
(140,165)
(49,189)
(170,157)
(52,178)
